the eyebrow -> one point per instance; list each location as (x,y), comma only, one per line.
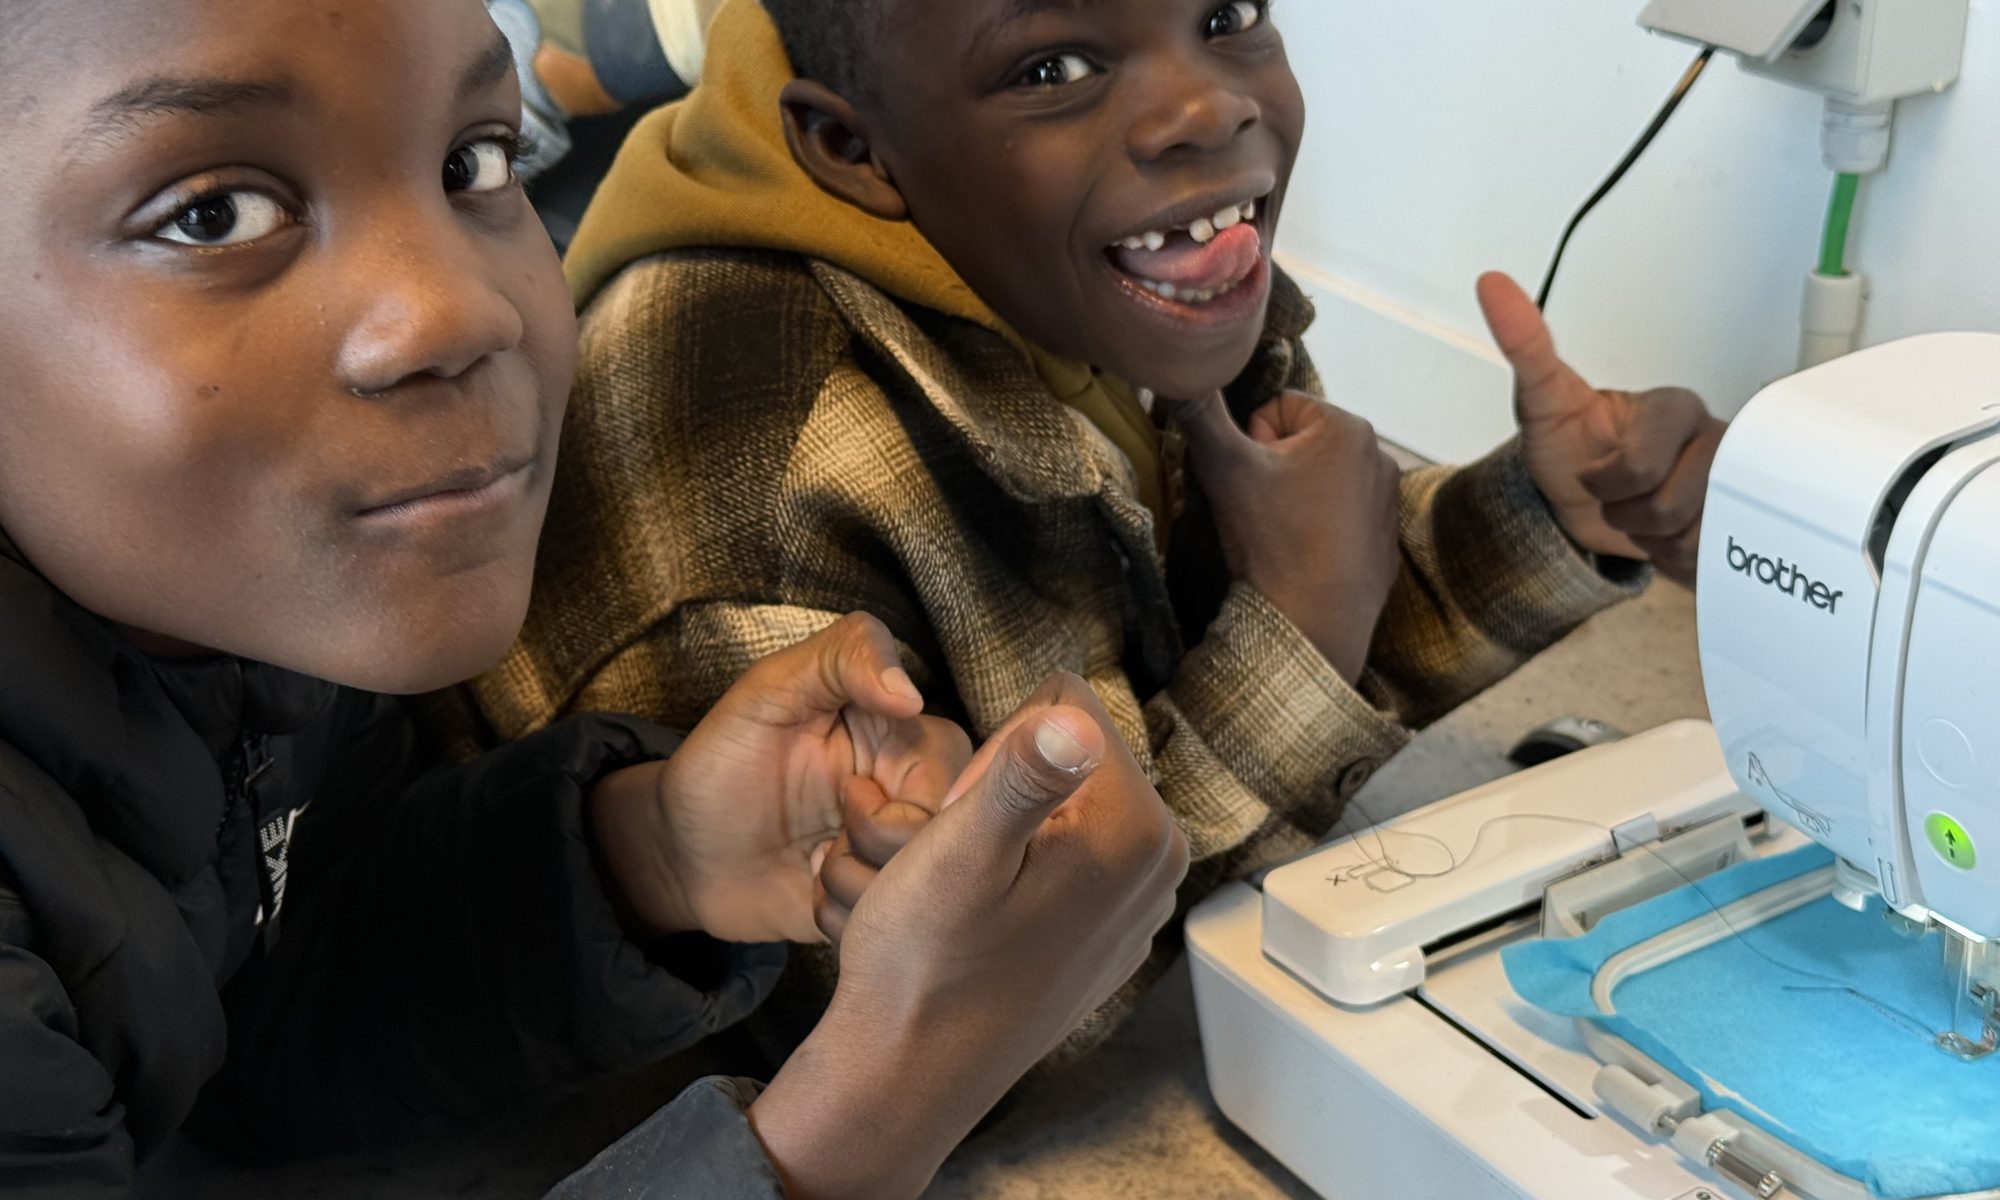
(116,114)
(1020,10)
(1015,10)
(488,69)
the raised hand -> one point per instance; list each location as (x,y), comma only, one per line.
(1004,921)
(1626,472)
(1306,504)
(725,836)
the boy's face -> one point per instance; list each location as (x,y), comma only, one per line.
(285,350)
(1038,144)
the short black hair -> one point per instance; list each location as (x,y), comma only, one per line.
(827,40)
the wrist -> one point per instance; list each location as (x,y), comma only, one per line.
(626,819)
(1341,638)
(1345,649)
(868,1108)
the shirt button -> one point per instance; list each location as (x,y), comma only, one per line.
(1357,775)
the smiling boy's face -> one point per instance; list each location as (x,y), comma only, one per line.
(1106,174)
(285,349)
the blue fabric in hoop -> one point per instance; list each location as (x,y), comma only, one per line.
(1816,1025)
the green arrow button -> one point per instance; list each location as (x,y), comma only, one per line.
(1951,842)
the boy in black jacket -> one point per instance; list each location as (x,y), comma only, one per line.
(286,359)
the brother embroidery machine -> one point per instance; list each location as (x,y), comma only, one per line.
(1725,1004)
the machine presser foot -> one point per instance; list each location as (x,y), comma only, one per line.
(1976,967)
(1964,1048)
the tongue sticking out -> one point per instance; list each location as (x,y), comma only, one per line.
(1189,265)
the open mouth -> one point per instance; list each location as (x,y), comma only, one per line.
(1197,263)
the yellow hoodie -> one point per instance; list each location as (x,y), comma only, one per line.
(714,170)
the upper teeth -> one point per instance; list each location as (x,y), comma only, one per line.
(1201,229)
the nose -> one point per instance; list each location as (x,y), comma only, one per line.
(427,306)
(1187,109)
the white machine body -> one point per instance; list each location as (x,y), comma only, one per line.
(1354,1014)
(1859,54)
(1355,920)
(1450,1088)
(1847,579)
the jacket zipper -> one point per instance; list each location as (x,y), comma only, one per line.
(250,762)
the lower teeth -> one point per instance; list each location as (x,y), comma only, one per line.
(1167,291)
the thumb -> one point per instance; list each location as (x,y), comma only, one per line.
(1208,426)
(1019,779)
(852,662)
(1523,337)
(1291,413)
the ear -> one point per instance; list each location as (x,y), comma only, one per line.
(830,140)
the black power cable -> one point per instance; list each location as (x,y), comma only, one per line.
(1666,114)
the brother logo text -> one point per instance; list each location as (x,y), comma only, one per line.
(1784,576)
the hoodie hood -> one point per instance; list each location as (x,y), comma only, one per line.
(714,170)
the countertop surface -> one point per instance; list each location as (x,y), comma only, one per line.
(1135,1120)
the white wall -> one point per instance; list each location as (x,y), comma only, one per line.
(1452,136)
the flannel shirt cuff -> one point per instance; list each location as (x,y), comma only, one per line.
(1280,718)
(1508,559)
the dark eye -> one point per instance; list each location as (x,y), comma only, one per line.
(224,219)
(486,165)
(1057,71)
(1237,17)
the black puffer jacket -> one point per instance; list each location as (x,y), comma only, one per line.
(224,882)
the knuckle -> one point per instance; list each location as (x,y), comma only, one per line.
(1625,475)
(858,621)
(1672,514)
(1126,859)
(1019,787)
(957,742)
(1350,427)
(863,637)
(1067,682)
(851,629)
(1140,857)
(1683,400)
(1059,688)
(1027,781)
(943,737)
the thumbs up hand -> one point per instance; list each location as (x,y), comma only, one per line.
(1306,504)
(1001,924)
(1625,472)
(1052,827)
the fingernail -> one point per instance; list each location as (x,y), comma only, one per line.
(897,680)
(1060,747)
(819,855)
